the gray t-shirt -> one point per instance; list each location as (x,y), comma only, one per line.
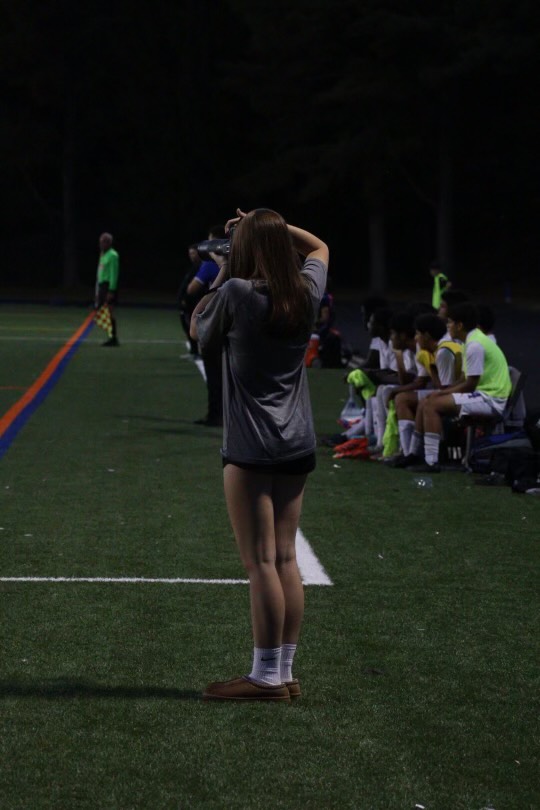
(266,408)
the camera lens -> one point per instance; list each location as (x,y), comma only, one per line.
(221,247)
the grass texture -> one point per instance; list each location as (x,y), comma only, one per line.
(419,666)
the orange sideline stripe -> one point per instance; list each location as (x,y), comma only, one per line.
(9,417)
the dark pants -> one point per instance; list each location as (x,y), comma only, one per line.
(185,320)
(214,384)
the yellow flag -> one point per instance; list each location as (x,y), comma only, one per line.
(103,319)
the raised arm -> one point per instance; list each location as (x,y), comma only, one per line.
(309,245)
(306,243)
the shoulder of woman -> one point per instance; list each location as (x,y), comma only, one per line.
(240,287)
(311,262)
(237,284)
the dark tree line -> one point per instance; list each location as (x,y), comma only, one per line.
(401,131)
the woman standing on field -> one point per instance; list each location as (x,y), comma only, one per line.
(263,316)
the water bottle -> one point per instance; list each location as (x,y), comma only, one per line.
(423,482)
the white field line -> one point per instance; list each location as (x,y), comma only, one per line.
(311,571)
(200,365)
(130,580)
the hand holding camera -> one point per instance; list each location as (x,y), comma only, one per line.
(220,247)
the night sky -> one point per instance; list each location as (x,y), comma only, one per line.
(399,132)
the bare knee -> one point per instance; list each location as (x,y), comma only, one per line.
(405,404)
(260,564)
(429,405)
(285,558)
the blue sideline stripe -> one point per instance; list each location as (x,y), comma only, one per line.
(19,422)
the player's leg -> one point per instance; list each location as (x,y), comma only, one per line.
(287,497)
(249,502)
(112,302)
(416,445)
(434,408)
(406,407)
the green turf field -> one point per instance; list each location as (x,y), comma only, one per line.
(419,666)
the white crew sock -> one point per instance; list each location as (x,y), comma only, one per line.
(415,446)
(369,417)
(356,430)
(287,655)
(379,420)
(431,447)
(406,430)
(266,666)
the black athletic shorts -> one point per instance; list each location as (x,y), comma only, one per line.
(103,292)
(298,466)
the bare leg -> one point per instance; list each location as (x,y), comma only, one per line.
(288,493)
(419,419)
(406,403)
(434,409)
(249,502)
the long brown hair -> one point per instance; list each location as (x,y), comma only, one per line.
(262,249)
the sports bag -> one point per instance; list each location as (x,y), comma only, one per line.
(509,454)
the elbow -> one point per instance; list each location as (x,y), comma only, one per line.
(325,253)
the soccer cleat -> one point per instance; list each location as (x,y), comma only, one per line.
(354,448)
(111,342)
(245,689)
(294,688)
(390,461)
(425,468)
(349,444)
(334,439)
(406,461)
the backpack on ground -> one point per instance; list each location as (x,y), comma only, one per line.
(508,454)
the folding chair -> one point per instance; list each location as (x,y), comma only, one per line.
(511,419)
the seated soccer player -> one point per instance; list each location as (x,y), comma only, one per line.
(379,329)
(439,366)
(377,367)
(403,345)
(483,390)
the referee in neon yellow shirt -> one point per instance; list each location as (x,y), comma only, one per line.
(107,281)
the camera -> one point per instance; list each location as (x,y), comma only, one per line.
(221,247)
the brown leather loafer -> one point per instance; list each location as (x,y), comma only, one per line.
(294,688)
(244,689)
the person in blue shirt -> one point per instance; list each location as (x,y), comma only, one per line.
(208,270)
(199,286)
